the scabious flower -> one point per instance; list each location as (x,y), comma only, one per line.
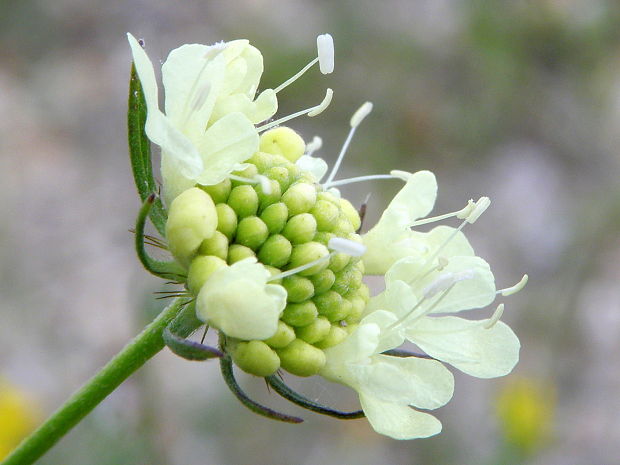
(273,256)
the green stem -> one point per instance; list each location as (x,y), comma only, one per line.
(135,354)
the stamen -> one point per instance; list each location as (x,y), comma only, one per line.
(258,179)
(340,244)
(445,281)
(356,119)
(189,107)
(314,145)
(296,76)
(342,182)
(201,97)
(480,206)
(497,314)
(442,263)
(403,175)
(426,312)
(516,288)
(325,48)
(301,268)
(309,111)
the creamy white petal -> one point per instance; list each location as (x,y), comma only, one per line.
(397,298)
(237,300)
(146,73)
(388,339)
(468,345)
(398,421)
(231,140)
(264,107)
(315,165)
(413,381)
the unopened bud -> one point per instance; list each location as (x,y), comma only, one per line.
(284,336)
(315,331)
(329,304)
(249,172)
(251,232)
(243,200)
(283,141)
(335,336)
(300,228)
(299,198)
(281,175)
(300,314)
(226,220)
(326,214)
(216,245)
(238,252)
(275,217)
(200,269)
(276,251)
(323,281)
(274,193)
(192,218)
(256,357)
(298,288)
(351,213)
(301,359)
(218,192)
(306,253)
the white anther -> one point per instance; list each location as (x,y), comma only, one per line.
(325,47)
(442,262)
(404,175)
(361,113)
(320,108)
(264,184)
(466,211)
(480,206)
(340,244)
(314,145)
(497,314)
(516,288)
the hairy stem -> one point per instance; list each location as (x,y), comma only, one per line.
(135,354)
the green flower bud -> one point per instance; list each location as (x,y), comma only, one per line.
(336,335)
(300,314)
(200,269)
(326,215)
(300,228)
(251,232)
(238,252)
(357,308)
(299,198)
(322,281)
(216,245)
(332,306)
(248,172)
(192,218)
(219,192)
(283,141)
(306,253)
(275,217)
(301,359)
(298,288)
(226,220)
(364,292)
(315,331)
(351,214)
(268,199)
(256,357)
(342,282)
(262,161)
(243,200)
(323,237)
(338,261)
(276,251)
(343,227)
(331,198)
(281,175)
(294,174)
(284,336)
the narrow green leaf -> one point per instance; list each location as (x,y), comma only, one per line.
(140,151)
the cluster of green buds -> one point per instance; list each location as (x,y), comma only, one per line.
(274,213)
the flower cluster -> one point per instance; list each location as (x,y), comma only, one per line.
(273,256)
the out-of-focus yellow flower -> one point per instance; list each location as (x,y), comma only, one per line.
(18,416)
(525,407)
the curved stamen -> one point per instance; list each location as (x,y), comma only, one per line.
(497,314)
(372,177)
(356,119)
(308,111)
(516,288)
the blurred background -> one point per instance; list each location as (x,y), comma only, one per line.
(517,100)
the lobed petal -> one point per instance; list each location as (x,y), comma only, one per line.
(468,345)
(398,421)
